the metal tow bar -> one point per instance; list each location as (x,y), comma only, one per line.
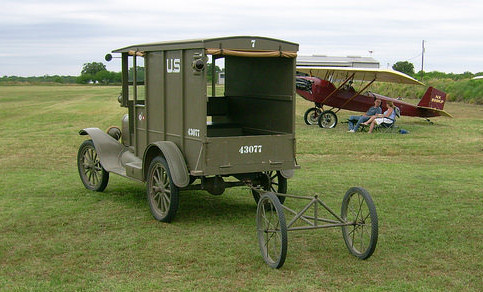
(358,221)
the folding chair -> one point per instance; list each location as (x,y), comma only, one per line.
(388,127)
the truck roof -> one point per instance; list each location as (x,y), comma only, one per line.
(254,43)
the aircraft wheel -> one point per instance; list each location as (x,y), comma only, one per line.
(358,209)
(272,181)
(327,119)
(92,174)
(162,193)
(272,230)
(311,116)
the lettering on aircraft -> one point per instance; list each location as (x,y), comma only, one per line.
(437,99)
(173,65)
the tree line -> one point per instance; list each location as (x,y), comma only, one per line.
(91,73)
(408,68)
(96,73)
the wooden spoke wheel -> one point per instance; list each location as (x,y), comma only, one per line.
(272,181)
(162,193)
(92,174)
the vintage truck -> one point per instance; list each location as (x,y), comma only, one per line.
(178,130)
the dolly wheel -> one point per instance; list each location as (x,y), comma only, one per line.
(358,209)
(162,193)
(272,230)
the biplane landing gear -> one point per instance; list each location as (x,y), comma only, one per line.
(327,119)
(312,115)
(358,221)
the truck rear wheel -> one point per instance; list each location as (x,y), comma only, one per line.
(162,193)
(274,182)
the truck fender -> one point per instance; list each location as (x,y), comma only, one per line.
(287,173)
(174,157)
(108,148)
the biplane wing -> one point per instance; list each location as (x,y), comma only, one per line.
(335,74)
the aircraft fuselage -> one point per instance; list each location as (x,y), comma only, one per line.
(324,93)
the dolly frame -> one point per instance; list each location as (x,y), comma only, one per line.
(359,226)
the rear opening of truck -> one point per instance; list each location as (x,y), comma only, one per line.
(250,124)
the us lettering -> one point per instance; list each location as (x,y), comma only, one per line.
(173,65)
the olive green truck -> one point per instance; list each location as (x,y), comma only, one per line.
(183,132)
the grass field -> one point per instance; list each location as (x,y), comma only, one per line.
(56,235)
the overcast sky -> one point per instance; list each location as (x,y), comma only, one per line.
(56,37)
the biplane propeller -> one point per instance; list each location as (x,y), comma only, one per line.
(317,84)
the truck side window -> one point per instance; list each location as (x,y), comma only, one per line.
(215,76)
(137,89)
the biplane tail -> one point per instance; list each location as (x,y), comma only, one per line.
(433,102)
(433,98)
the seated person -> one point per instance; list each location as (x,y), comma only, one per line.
(358,120)
(348,87)
(389,116)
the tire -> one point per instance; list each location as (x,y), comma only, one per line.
(272,230)
(275,182)
(360,237)
(311,116)
(92,174)
(327,119)
(162,193)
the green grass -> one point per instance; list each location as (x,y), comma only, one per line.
(56,235)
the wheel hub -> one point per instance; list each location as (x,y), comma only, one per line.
(158,189)
(91,165)
(266,181)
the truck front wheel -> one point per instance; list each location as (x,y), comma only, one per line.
(92,174)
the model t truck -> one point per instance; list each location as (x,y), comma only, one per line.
(178,134)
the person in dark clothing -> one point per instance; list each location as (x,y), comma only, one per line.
(356,121)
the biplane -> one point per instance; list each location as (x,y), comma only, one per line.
(317,84)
